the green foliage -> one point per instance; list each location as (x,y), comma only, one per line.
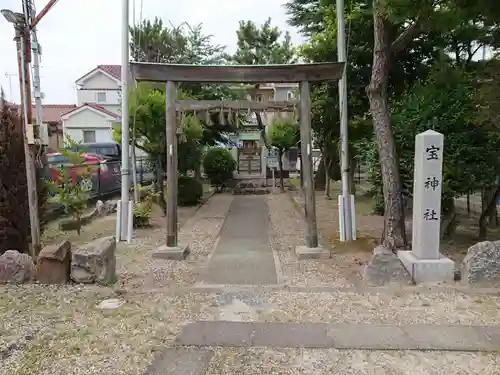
(153,41)
(284,133)
(73,185)
(190,191)
(219,165)
(14,209)
(142,213)
(143,209)
(263,44)
(447,103)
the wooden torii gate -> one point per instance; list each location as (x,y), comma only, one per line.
(171,74)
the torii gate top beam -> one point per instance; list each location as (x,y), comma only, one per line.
(283,73)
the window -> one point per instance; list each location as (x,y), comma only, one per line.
(258,97)
(290,95)
(101,97)
(89,136)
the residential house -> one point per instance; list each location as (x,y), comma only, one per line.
(251,153)
(51,115)
(98,106)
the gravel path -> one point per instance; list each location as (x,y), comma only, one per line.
(61,330)
(288,230)
(257,361)
(138,269)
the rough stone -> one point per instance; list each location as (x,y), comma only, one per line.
(106,208)
(95,262)
(384,268)
(16,267)
(71,224)
(482,263)
(54,264)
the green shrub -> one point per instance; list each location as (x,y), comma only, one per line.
(142,213)
(219,165)
(14,212)
(190,191)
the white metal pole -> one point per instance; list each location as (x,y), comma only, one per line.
(344,125)
(125,119)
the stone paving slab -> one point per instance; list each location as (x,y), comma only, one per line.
(341,336)
(243,254)
(181,361)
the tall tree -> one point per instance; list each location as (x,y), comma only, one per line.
(406,36)
(153,41)
(396,25)
(261,45)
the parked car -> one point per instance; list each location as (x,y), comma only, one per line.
(111,150)
(104,176)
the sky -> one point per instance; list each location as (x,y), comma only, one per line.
(76,36)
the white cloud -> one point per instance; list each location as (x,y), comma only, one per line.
(78,35)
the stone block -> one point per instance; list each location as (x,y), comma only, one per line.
(71,224)
(304,252)
(16,267)
(54,264)
(482,263)
(384,268)
(428,270)
(171,253)
(95,262)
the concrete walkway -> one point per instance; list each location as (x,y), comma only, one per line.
(342,336)
(243,255)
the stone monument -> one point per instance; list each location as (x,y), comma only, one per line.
(424,262)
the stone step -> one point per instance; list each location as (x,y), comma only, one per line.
(341,336)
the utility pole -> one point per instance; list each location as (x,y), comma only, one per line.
(345,209)
(23,54)
(125,121)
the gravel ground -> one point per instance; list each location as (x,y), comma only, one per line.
(257,361)
(349,307)
(138,269)
(288,229)
(61,330)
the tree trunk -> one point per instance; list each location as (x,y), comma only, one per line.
(319,177)
(161,186)
(352,174)
(449,218)
(327,178)
(394,234)
(280,164)
(488,209)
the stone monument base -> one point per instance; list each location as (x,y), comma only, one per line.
(304,252)
(173,253)
(427,270)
